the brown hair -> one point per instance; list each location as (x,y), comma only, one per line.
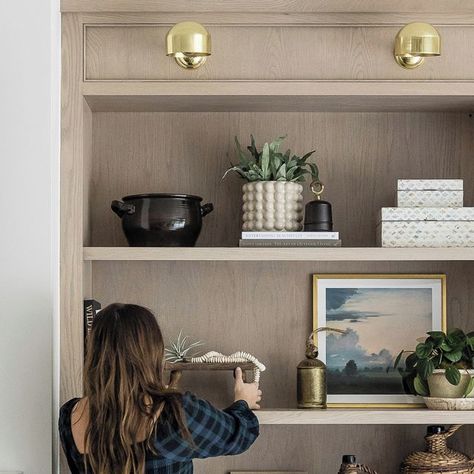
(123,383)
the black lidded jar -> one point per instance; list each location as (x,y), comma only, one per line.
(318,216)
(318,213)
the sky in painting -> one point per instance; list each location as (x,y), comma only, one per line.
(381,322)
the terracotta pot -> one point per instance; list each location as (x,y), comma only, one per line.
(272,206)
(441,388)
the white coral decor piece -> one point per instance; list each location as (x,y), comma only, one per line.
(217,357)
(272,206)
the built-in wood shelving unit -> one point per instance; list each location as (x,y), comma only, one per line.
(333,416)
(356,254)
(321,72)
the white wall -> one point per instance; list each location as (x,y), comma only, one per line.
(28,231)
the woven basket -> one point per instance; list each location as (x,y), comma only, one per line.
(438,458)
(356,469)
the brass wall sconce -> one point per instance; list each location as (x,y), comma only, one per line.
(189,43)
(414,42)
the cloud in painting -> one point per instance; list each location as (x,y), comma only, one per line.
(352,316)
(336,297)
(343,348)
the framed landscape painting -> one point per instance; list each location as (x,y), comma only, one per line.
(381,315)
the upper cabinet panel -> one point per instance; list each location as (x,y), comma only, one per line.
(136,52)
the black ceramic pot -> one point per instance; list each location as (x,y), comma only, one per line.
(161,220)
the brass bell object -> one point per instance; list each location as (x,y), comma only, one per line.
(318,213)
(311,380)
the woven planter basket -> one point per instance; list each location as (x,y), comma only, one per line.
(438,458)
(356,469)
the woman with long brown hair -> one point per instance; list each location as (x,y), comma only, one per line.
(130,422)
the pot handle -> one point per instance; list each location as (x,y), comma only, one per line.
(120,208)
(206,209)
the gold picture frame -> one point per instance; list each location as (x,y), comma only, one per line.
(437,284)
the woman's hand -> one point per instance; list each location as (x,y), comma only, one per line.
(246,391)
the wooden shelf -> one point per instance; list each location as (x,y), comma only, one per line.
(271,96)
(363,417)
(364,254)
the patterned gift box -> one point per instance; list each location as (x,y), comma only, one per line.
(426,227)
(430,193)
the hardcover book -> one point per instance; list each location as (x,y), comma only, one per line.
(290,235)
(91,308)
(289,243)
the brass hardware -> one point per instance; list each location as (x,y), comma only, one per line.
(317,188)
(311,375)
(189,43)
(414,42)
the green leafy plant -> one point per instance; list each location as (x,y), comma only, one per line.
(179,350)
(452,352)
(270,164)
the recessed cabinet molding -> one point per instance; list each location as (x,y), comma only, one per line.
(280,6)
(136,52)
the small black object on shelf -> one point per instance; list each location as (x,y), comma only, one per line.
(318,213)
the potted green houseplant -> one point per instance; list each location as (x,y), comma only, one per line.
(273,195)
(441,366)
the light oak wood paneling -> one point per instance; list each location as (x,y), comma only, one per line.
(343,52)
(280,254)
(261,307)
(281,6)
(73,151)
(360,158)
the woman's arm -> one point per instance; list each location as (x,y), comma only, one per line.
(219,432)
(213,432)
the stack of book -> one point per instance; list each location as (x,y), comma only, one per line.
(290,239)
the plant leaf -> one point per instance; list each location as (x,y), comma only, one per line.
(314,171)
(281,174)
(453,376)
(398,359)
(455,336)
(305,157)
(275,144)
(253,149)
(244,161)
(425,368)
(411,361)
(470,387)
(265,162)
(453,356)
(424,350)
(420,386)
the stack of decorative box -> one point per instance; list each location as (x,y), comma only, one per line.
(430,213)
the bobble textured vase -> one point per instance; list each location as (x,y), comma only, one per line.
(272,206)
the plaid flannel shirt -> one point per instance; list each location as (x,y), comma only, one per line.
(214,432)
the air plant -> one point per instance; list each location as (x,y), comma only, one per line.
(179,350)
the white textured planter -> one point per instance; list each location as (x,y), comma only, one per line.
(272,206)
(441,388)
